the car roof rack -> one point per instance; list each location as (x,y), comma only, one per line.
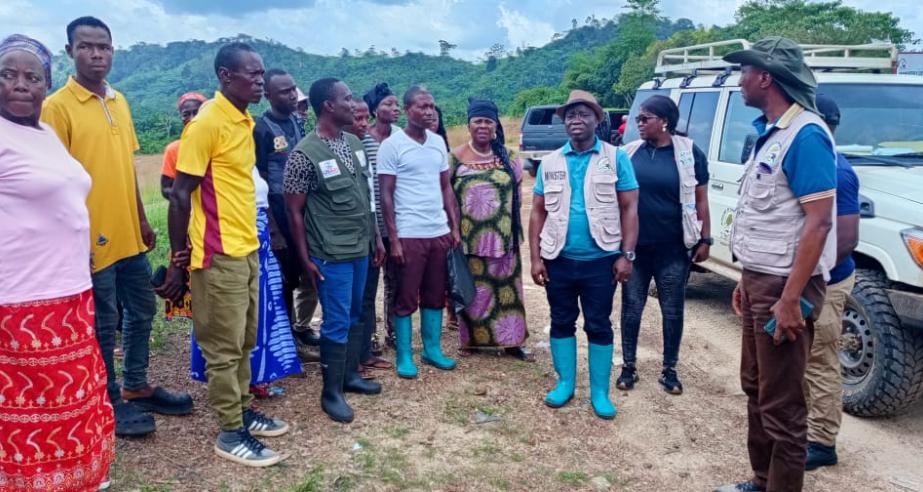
(704,58)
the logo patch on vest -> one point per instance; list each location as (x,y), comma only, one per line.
(360,156)
(772,153)
(686,159)
(280,143)
(329,168)
(604,164)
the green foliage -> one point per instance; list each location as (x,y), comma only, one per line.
(537,96)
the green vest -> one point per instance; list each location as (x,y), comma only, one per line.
(337,216)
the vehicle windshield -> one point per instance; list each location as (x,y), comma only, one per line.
(879,124)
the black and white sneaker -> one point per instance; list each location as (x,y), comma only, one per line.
(260,425)
(241,447)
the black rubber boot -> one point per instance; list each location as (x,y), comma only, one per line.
(352,381)
(333,365)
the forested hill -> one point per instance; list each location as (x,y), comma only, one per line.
(153,76)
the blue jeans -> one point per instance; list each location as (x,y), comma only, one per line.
(669,267)
(341,295)
(589,283)
(126,282)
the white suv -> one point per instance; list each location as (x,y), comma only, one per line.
(881,134)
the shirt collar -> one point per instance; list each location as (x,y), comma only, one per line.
(763,126)
(569,150)
(231,111)
(83,94)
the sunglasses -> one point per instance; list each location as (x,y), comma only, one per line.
(643,119)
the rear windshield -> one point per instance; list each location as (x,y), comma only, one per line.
(543,116)
(877,119)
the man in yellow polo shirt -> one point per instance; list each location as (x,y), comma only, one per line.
(213,206)
(94,122)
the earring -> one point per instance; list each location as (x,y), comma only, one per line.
(493,136)
(664,127)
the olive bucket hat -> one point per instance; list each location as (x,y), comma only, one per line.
(784,60)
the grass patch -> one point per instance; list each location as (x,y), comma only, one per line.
(387,464)
(397,431)
(573,478)
(501,483)
(487,451)
(457,409)
(313,481)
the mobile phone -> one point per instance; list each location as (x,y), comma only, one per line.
(159,277)
(806,309)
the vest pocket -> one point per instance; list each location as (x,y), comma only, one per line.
(604,188)
(761,193)
(345,238)
(554,232)
(768,251)
(553,194)
(692,226)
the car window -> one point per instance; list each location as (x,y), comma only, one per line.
(685,106)
(739,134)
(544,116)
(702,118)
(631,129)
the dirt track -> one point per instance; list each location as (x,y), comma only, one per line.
(419,435)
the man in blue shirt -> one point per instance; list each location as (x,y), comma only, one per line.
(823,380)
(782,237)
(582,234)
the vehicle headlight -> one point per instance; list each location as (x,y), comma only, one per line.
(913,239)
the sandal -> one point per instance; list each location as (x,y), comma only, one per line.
(520,353)
(365,373)
(131,421)
(464,352)
(376,362)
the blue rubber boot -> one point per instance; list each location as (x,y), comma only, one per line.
(431,331)
(600,361)
(403,340)
(564,356)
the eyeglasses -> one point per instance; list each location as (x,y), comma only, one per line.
(577,115)
(643,119)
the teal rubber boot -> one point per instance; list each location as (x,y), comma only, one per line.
(564,356)
(403,340)
(431,330)
(600,361)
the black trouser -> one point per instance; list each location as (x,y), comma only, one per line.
(668,265)
(589,283)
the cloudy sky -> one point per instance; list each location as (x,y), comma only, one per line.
(327,26)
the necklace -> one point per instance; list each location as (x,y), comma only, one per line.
(488,154)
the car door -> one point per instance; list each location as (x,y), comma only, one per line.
(735,136)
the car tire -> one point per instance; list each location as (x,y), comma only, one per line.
(882,363)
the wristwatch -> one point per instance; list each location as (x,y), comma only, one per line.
(707,241)
(629,255)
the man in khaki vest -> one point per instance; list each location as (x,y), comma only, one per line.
(582,236)
(782,237)
(326,186)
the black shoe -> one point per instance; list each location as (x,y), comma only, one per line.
(241,447)
(161,401)
(333,368)
(670,381)
(353,382)
(747,486)
(130,421)
(627,378)
(258,424)
(820,455)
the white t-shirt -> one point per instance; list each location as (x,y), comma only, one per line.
(44,222)
(262,190)
(418,206)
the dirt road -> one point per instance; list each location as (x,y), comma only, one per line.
(421,435)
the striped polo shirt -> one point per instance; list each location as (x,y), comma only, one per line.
(217,145)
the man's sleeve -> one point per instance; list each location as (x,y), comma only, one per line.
(259,142)
(169,160)
(847,190)
(539,188)
(445,162)
(626,172)
(810,165)
(701,165)
(54,117)
(387,158)
(296,179)
(195,150)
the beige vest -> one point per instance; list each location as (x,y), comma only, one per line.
(685,166)
(602,206)
(769,219)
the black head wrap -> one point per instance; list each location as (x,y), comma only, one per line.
(376,95)
(479,108)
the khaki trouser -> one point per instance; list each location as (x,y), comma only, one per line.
(305,304)
(823,383)
(225,317)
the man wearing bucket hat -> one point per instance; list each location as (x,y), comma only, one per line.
(782,237)
(582,235)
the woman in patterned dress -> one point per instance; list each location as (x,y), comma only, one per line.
(57,429)
(486,183)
